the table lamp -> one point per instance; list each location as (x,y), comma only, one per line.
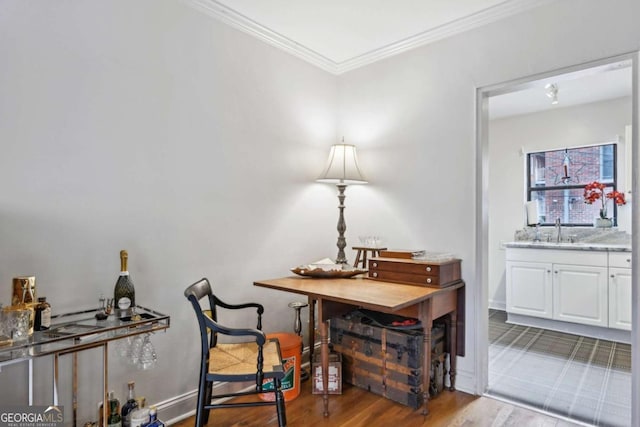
(342,169)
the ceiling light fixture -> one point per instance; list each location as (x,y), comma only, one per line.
(551,90)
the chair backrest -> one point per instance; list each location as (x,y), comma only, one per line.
(195,293)
(208,318)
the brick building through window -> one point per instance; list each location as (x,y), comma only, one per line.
(556,179)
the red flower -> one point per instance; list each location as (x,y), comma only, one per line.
(595,191)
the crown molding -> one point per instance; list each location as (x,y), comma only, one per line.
(239,21)
(249,26)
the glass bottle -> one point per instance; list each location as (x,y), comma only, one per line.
(153,418)
(124,293)
(140,415)
(114,419)
(129,405)
(43,315)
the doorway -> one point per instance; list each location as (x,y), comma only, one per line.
(504,343)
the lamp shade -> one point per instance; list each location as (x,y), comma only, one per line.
(342,166)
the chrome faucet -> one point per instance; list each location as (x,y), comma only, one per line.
(559,230)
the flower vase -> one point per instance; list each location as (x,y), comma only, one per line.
(603,223)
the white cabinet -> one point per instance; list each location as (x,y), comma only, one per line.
(569,286)
(620,290)
(580,294)
(529,289)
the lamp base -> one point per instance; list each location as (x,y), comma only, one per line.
(342,226)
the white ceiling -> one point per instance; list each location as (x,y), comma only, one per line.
(339,35)
(594,84)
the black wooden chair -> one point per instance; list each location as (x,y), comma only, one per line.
(255,360)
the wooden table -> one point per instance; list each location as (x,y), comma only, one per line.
(336,297)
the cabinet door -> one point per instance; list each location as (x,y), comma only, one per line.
(529,288)
(620,298)
(580,294)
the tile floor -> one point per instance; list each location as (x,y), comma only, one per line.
(584,379)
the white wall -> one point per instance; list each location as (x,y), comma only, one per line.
(559,128)
(414,117)
(151,127)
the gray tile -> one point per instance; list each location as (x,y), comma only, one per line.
(583,378)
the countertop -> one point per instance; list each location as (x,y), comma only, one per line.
(577,246)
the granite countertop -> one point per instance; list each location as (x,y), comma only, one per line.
(577,246)
(572,238)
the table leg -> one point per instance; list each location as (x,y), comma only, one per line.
(30,382)
(312,331)
(324,351)
(105,383)
(453,349)
(74,393)
(426,320)
(55,379)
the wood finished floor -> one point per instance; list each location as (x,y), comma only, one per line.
(356,407)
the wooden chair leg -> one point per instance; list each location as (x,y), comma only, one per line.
(207,401)
(280,408)
(201,402)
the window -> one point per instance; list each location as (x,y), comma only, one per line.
(556,179)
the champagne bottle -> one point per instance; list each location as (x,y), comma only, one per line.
(129,406)
(124,294)
(114,419)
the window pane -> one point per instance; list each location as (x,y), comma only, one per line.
(569,206)
(606,174)
(575,166)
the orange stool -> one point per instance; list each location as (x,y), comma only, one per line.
(291,350)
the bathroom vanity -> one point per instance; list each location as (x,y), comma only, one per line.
(580,288)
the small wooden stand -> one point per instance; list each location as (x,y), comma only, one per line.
(361,256)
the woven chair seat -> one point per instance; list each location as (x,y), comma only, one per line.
(242,358)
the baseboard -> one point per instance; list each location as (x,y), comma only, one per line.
(466,382)
(497,305)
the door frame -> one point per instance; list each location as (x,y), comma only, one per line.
(482,219)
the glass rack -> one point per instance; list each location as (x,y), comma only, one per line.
(81,330)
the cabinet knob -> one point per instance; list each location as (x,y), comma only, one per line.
(375,274)
(548,271)
(428,268)
(628,259)
(556,271)
(375,264)
(428,279)
(613,276)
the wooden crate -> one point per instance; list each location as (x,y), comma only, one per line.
(415,271)
(335,374)
(384,361)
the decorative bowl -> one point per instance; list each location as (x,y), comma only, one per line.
(304,270)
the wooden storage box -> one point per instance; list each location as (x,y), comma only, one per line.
(415,271)
(384,361)
(335,373)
